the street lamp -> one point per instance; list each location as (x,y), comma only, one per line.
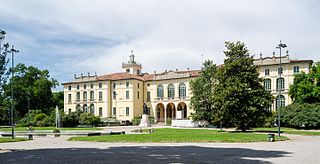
(280,70)
(13,51)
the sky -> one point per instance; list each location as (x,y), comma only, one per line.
(80,36)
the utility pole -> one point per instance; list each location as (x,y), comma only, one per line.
(13,51)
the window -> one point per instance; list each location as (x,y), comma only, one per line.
(267,84)
(78,87)
(92,108)
(138,85)
(266,72)
(160,91)
(114,95)
(114,85)
(100,95)
(69,88)
(280,102)
(91,95)
(296,69)
(69,110)
(182,90)
(127,111)
(85,108)
(280,83)
(148,84)
(85,86)
(138,71)
(280,70)
(138,95)
(100,85)
(69,97)
(100,111)
(127,84)
(148,96)
(85,96)
(128,70)
(78,108)
(127,94)
(91,86)
(171,91)
(78,96)
(114,111)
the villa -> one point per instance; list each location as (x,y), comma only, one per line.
(167,94)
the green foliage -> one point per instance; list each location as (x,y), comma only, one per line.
(39,119)
(239,93)
(306,87)
(71,120)
(202,88)
(32,89)
(151,120)
(299,115)
(231,93)
(136,121)
(89,119)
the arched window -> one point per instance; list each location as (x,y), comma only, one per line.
(160,91)
(280,102)
(170,91)
(78,96)
(182,90)
(92,108)
(280,83)
(85,96)
(85,108)
(78,108)
(91,95)
(267,84)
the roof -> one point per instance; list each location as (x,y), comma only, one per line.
(143,77)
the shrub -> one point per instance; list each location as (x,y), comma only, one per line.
(136,121)
(71,120)
(301,115)
(152,120)
(89,119)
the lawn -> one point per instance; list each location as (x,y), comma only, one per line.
(169,135)
(9,139)
(288,131)
(47,128)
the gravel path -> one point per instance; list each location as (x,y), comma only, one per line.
(300,149)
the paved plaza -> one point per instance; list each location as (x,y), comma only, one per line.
(300,149)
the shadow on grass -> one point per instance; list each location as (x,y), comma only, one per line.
(142,154)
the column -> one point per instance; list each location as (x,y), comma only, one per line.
(165,116)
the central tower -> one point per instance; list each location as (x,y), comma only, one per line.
(132,66)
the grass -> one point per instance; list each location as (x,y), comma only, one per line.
(47,128)
(170,135)
(4,140)
(288,131)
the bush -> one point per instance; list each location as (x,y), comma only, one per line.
(301,115)
(136,121)
(89,119)
(71,120)
(152,120)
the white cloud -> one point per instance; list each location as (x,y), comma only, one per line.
(96,35)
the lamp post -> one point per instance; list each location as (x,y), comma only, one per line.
(13,51)
(280,70)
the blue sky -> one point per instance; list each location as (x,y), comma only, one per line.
(78,36)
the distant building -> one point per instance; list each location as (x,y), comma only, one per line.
(167,94)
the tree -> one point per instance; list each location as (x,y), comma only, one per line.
(306,87)
(32,89)
(201,88)
(4,50)
(239,94)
